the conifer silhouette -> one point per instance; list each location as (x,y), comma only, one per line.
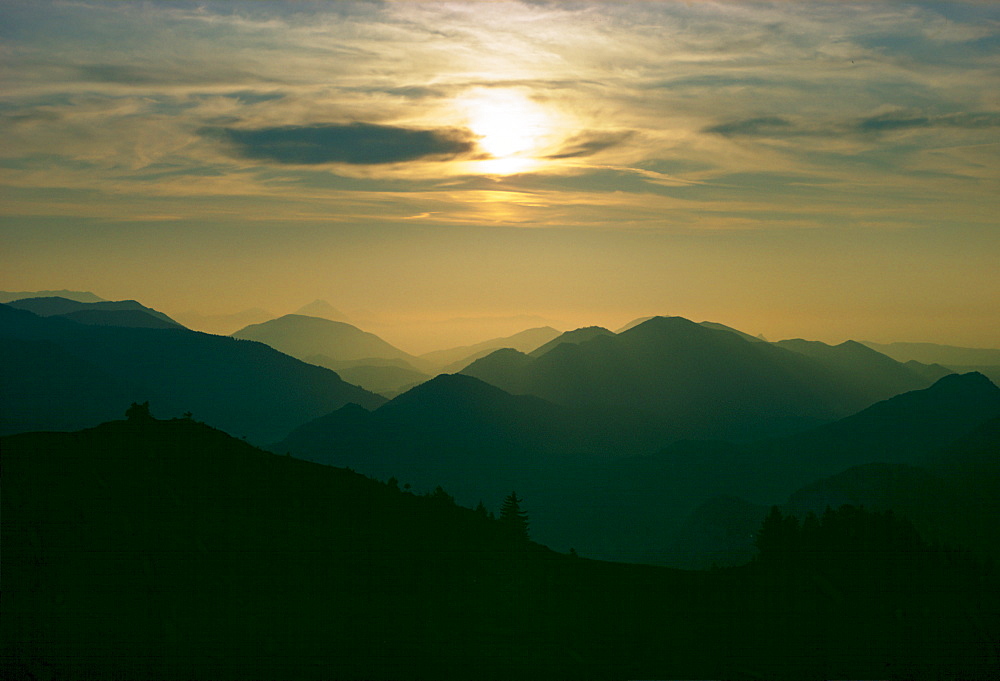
(139,413)
(513,517)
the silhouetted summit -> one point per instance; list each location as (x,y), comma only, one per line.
(575,337)
(301,336)
(450,393)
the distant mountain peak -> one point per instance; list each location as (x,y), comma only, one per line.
(574,337)
(323,309)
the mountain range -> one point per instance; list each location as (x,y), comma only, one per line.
(701,381)
(832,509)
(61,374)
(129,313)
(79,296)
(589,472)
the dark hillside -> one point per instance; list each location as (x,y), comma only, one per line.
(167,549)
(105,312)
(61,374)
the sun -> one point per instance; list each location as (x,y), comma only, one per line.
(511,129)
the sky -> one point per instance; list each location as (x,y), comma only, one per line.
(823,170)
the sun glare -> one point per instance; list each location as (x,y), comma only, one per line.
(511,128)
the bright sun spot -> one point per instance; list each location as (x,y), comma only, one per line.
(510,127)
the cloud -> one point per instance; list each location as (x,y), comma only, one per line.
(891,122)
(775,127)
(766,126)
(588,144)
(352,143)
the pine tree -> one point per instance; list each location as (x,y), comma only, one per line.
(513,517)
(139,413)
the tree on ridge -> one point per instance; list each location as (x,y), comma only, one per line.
(513,517)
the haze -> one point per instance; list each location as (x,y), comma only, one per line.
(823,170)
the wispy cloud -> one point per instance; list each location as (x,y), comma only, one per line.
(108,95)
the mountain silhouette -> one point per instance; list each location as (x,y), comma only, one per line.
(167,549)
(302,337)
(574,337)
(458,430)
(907,427)
(708,325)
(67,374)
(869,375)
(456,359)
(480,442)
(79,296)
(102,313)
(702,382)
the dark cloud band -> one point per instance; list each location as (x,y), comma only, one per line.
(775,127)
(353,143)
(591,143)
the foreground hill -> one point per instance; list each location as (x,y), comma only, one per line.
(59,374)
(166,549)
(701,381)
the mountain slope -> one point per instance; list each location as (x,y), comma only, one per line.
(67,374)
(301,337)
